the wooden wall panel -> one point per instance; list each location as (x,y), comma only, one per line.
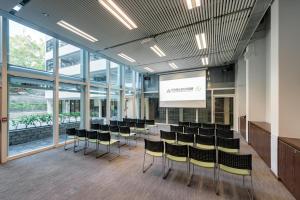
(242,126)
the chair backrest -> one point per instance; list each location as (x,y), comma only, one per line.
(81,133)
(104,127)
(206,131)
(154,146)
(95,126)
(186,138)
(131,124)
(195,124)
(140,125)
(168,135)
(177,150)
(203,155)
(205,140)
(224,133)
(113,122)
(124,129)
(228,143)
(223,126)
(71,131)
(191,130)
(92,134)
(184,123)
(114,129)
(150,122)
(121,123)
(126,120)
(178,129)
(141,121)
(236,161)
(208,125)
(104,137)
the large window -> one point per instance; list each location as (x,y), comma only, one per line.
(29,48)
(128,76)
(115,104)
(98,97)
(115,74)
(189,114)
(30,109)
(173,114)
(97,68)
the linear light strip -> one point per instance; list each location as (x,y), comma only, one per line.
(173,65)
(77,31)
(201,41)
(149,69)
(158,51)
(205,61)
(193,3)
(126,57)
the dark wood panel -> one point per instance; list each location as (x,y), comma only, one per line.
(294,142)
(297,175)
(242,126)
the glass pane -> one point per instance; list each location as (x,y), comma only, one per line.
(69,60)
(69,108)
(189,114)
(29,48)
(30,109)
(204,114)
(115,105)
(153,111)
(173,114)
(98,97)
(138,102)
(128,75)
(138,80)
(115,74)
(97,68)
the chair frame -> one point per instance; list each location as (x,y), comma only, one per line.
(107,147)
(73,137)
(127,138)
(153,156)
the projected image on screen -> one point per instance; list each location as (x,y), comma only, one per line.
(183,90)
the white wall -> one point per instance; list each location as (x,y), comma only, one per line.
(240,85)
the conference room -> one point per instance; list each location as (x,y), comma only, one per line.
(145,99)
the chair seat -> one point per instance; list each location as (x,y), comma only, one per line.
(176,158)
(127,135)
(81,138)
(202,164)
(186,143)
(169,141)
(112,141)
(204,146)
(71,136)
(156,154)
(242,172)
(92,140)
(140,129)
(227,150)
(115,133)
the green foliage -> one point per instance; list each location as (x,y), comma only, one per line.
(76,115)
(28,120)
(15,123)
(94,114)
(27,106)
(44,118)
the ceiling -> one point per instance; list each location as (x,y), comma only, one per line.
(228,24)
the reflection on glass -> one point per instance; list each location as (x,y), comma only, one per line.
(189,114)
(173,114)
(97,68)
(115,74)
(128,76)
(115,105)
(98,105)
(30,114)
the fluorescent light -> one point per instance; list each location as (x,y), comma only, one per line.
(158,51)
(193,3)
(149,69)
(201,41)
(205,61)
(126,57)
(17,7)
(173,65)
(118,13)
(77,31)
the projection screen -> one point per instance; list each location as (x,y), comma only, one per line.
(183,90)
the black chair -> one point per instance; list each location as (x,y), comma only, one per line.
(153,149)
(80,136)
(177,153)
(113,123)
(205,142)
(95,126)
(106,140)
(224,133)
(236,164)
(223,126)
(127,135)
(120,123)
(70,133)
(168,136)
(115,131)
(185,139)
(202,158)
(208,125)
(228,145)
(126,120)
(184,123)
(178,129)
(142,121)
(190,130)
(91,137)
(206,131)
(195,124)
(141,129)
(104,128)
(151,124)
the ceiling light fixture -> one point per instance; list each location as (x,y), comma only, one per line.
(205,61)
(173,65)
(126,57)
(149,69)
(77,31)
(158,51)
(118,13)
(201,41)
(193,4)
(18,7)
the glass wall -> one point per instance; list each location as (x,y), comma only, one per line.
(115,105)
(115,74)
(98,100)
(97,68)
(128,76)
(189,114)
(173,114)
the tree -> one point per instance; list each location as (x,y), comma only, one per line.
(26,52)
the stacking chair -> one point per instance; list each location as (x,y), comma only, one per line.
(143,121)
(177,153)
(141,129)
(80,136)
(132,125)
(168,137)
(228,145)
(185,139)
(224,133)
(184,123)
(202,158)
(205,142)
(91,137)
(115,131)
(70,134)
(223,126)
(195,124)
(153,149)
(178,129)
(106,140)
(127,135)
(120,123)
(104,128)
(151,124)
(126,120)
(191,130)
(113,123)
(208,125)
(206,131)
(95,126)
(235,164)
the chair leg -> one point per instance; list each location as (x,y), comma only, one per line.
(169,169)
(217,183)
(252,189)
(148,167)
(191,175)
(66,138)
